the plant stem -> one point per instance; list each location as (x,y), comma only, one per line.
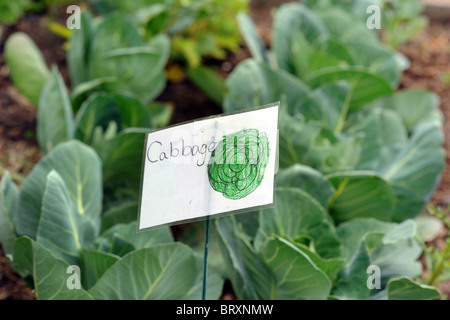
(344,113)
(445,255)
(205,261)
(338,192)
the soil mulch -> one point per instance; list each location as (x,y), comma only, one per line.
(430,69)
(12,286)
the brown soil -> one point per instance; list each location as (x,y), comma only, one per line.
(12,286)
(430,61)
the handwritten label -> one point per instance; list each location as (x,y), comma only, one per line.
(211,166)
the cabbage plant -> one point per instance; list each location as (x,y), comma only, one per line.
(381,149)
(57,236)
(359,160)
(115,74)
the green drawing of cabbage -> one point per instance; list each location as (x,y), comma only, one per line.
(238,162)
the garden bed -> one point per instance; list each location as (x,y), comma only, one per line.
(430,69)
(430,62)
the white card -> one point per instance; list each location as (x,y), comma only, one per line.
(211,166)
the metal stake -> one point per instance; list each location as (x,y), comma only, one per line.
(205,259)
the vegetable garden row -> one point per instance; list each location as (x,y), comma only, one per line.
(359,157)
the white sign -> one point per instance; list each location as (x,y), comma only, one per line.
(211,166)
